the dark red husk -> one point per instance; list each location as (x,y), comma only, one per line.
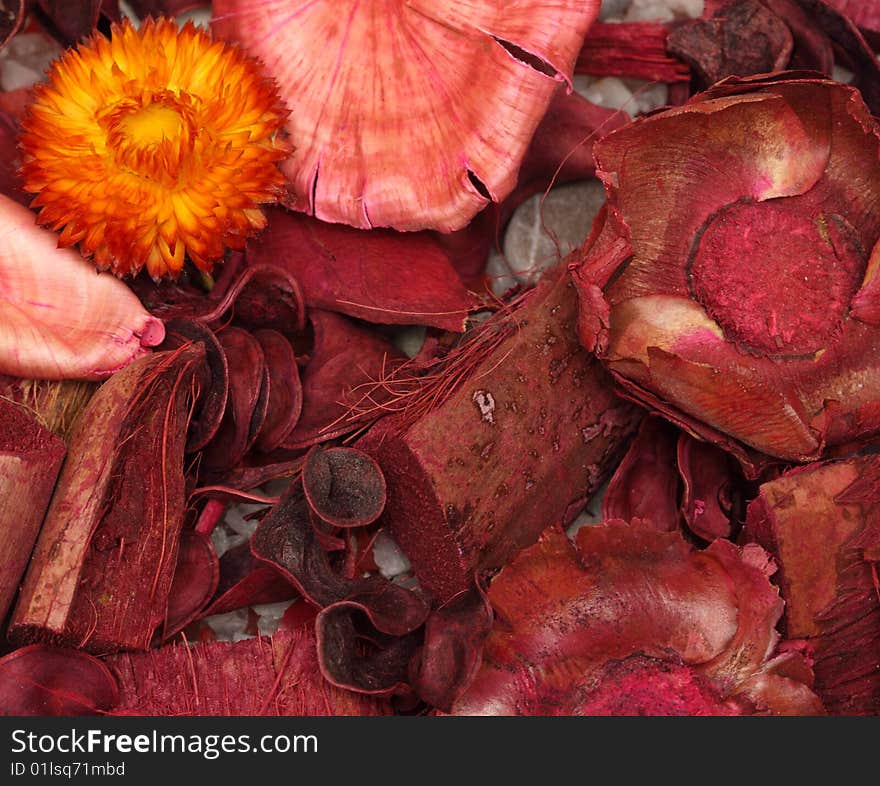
(213,381)
(524,437)
(378,275)
(247,403)
(41,680)
(822,523)
(743,37)
(338,390)
(195,581)
(453,649)
(630,49)
(259,676)
(568,617)
(284,404)
(104,563)
(713,497)
(645,483)
(344,486)
(70,22)
(865,13)
(30,459)
(286,540)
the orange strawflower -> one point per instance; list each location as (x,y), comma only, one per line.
(155,144)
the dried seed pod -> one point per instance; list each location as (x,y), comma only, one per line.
(344,486)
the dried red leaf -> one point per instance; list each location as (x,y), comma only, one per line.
(195,581)
(71,22)
(259,676)
(630,49)
(30,459)
(344,486)
(245,581)
(645,483)
(821,523)
(339,390)
(865,13)
(104,563)
(41,680)
(379,276)
(284,403)
(630,604)
(522,433)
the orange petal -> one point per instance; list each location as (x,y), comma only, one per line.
(411,115)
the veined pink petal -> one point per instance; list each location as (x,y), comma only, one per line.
(411,114)
(59,319)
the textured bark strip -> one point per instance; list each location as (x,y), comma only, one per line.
(30,458)
(103,565)
(523,443)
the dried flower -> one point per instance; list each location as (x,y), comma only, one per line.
(152,145)
(732,283)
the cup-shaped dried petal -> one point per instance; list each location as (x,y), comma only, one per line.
(409,114)
(58,319)
(720,286)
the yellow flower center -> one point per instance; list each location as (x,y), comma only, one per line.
(151,124)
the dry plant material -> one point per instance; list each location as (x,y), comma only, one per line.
(631,49)
(865,13)
(104,563)
(519,430)
(260,676)
(822,524)
(379,276)
(30,458)
(730,285)
(344,486)
(196,578)
(41,680)
(72,22)
(632,621)
(474,78)
(153,146)
(58,320)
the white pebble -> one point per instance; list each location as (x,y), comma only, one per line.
(388,556)
(231,626)
(663,10)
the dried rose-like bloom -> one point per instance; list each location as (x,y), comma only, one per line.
(409,114)
(732,282)
(153,145)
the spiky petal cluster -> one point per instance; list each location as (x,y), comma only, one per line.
(154,145)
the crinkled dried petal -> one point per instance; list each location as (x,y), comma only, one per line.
(58,318)
(473,77)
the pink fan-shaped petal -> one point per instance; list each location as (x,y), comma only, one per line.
(409,113)
(59,319)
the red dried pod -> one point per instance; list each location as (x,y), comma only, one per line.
(30,459)
(42,680)
(865,13)
(195,581)
(645,483)
(379,275)
(11,20)
(721,291)
(104,563)
(70,23)
(247,403)
(822,524)
(339,382)
(284,403)
(344,486)
(259,676)
(213,379)
(630,621)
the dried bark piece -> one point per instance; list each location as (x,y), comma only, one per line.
(631,49)
(629,619)
(41,680)
(104,563)
(344,486)
(260,676)
(450,69)
(524,435)
(822,524)
(30,459)
(58,320)
(379,276)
